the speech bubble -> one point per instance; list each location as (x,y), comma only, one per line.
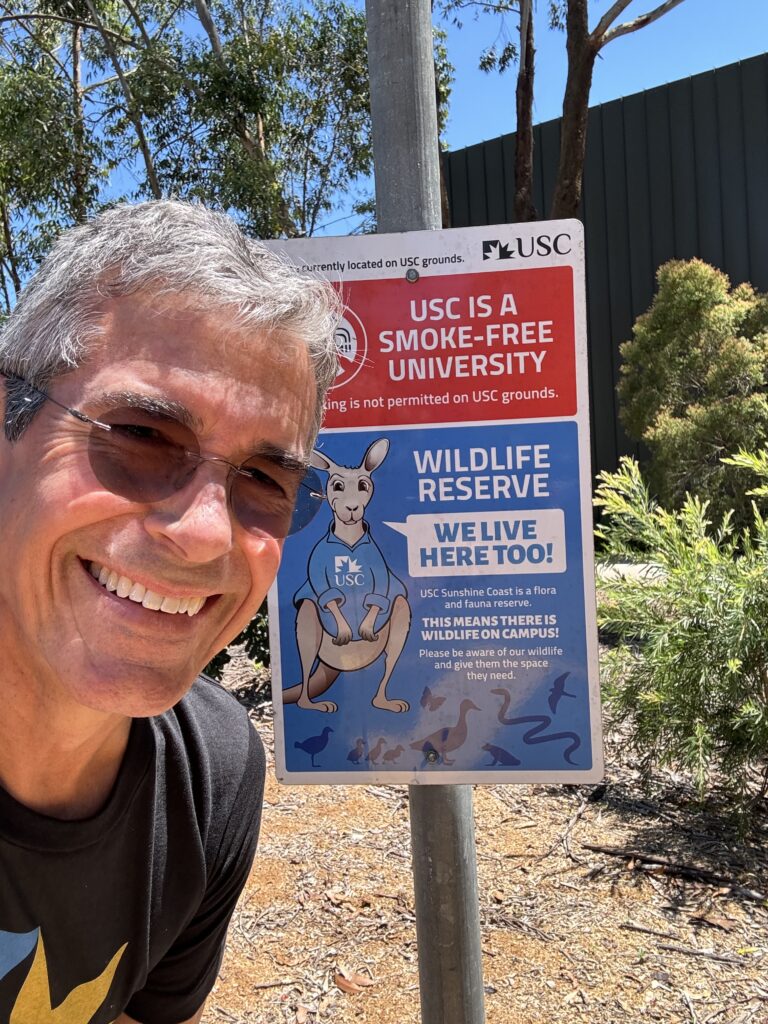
(485,543)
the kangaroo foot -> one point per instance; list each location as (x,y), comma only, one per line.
(379,701)
(316,705)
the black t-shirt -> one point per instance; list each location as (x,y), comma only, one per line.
(127,911)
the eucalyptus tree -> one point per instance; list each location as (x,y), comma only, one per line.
(256,107)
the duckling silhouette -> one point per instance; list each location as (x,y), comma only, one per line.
(500,755)
(373,755)
(392,755)
(446,740)
(558,691)
(357,751)
(542,722)
(314,744)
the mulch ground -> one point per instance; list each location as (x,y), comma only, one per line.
(597,904)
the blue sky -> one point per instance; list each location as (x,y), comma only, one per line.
(696,36)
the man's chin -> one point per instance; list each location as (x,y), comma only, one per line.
(134,691)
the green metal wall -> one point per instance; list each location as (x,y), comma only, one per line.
(675,172)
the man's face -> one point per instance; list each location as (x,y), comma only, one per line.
(69,636)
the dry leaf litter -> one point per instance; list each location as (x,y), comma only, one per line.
(598,904)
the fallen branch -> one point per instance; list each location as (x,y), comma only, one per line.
(672,867)
(722,958)
(630,927)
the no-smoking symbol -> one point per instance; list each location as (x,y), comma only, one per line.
(352,346)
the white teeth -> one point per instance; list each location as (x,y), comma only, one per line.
(152,601)
(126,588)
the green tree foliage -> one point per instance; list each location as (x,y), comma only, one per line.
(257,107)
(693,386)
(255,638)
(689,672)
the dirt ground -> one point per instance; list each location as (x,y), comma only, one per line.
(666,922)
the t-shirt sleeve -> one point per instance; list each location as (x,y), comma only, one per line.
(180,983)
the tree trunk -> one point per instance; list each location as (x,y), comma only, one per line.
(573,133)
(11,261)
(79,204)
(524,207)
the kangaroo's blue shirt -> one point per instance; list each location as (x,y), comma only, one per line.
(356,576)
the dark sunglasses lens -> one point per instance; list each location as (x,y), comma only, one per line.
(261,506)
(308,501)
(142,457)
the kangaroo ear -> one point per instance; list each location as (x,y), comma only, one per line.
(376,454)
(319,461)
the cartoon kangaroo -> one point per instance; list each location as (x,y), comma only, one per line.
(351,609)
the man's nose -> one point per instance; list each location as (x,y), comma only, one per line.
(196,520)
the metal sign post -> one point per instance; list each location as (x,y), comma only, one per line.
(405,154)
(435,624)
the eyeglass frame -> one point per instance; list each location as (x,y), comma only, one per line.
(195,456)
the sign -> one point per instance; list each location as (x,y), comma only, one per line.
(435,623)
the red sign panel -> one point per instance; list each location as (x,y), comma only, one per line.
(464,347)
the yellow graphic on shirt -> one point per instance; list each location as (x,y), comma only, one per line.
(33,1004)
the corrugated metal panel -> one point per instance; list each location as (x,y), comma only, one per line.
(675,172)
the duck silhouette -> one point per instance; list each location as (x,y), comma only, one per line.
(314,744)
(357,751)
(558,691)
(542,722)
(445,741)
(392,755)
(500,756)
(373,755)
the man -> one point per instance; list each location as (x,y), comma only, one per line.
(162,383)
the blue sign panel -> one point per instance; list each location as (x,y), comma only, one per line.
(434,623)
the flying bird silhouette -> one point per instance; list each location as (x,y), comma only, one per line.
(429,701)
(314,744)
(446,740)
(558,691)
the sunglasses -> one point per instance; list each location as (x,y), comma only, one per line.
(147,456)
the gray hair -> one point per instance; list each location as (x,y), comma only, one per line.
(168,247)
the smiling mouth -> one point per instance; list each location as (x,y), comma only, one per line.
(122,586)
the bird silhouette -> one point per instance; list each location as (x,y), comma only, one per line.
(558,691)
(500,755)
(373,755)
(446,740)
(357,751)
(429,701)
(392,755)
(542,722)
(314,744)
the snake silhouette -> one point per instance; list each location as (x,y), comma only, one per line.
(542,722)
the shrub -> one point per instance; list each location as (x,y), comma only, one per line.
(693,386)
(689,672)
(255,636)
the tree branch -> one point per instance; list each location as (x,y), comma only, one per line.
(133,114)
(68,21)
(607,20)
(640,22)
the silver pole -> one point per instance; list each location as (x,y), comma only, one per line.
(405,156)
